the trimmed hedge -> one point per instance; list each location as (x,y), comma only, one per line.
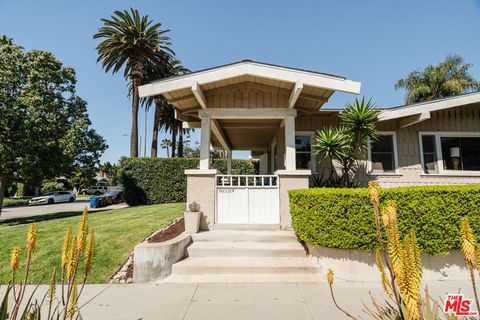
(163,180)
(343,218)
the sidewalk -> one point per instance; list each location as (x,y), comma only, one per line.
(237,301)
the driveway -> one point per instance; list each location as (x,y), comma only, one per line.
(275,301)
(30,211)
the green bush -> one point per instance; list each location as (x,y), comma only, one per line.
(163,180)
(49,186)
(343,218)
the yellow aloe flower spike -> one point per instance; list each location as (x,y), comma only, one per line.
(65,248)
(72,258)
(373,190)
(51,288)
(468,243)
(381,268)
(15,258)
(32,238)
(88,259)
(82,231)
(72,306)
(330,276)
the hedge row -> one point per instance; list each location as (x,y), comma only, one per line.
(163,180)
(343,218)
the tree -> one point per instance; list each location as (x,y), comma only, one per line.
(166,143)
(44,126)
(349,142)
(173,67)
(131,41)
(448,78)
(169,123)
(4,40)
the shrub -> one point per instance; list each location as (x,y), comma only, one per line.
(163,180)
(52,186)
(343,218)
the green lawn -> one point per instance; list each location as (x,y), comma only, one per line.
(13,202)
(116,232)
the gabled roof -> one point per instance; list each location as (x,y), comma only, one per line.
(250,68)
(423,109)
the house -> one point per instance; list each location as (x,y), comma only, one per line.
(274,111)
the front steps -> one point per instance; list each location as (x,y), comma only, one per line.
(245,256)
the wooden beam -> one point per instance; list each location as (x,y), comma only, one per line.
(190,96)
(198,93)
(313,97)
(217,131)
(248,113)
(192,125)
(181,116)
(414,119)
(297,89)
(251,125)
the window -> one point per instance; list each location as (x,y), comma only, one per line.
(383,154)
(450,152)
(303,151)
(429,148)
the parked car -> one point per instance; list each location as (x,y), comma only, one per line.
(96,190)
(53,197)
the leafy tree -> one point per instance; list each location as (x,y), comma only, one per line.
(112,172)
(44,126)
(131,41)
(349,142)
(4,40)
(448,78)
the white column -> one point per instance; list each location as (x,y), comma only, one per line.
(205,144)
(229,162)
(290,164)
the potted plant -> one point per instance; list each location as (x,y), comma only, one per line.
(192,218)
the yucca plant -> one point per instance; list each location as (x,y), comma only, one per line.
(400,266)
(75,250)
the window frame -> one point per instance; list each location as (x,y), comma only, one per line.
(438,145)
(313,163)
(396,171)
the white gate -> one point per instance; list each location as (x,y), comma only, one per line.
(247,199)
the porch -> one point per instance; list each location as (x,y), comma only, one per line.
(247,106)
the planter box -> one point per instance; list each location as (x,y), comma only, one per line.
(192,221)
(153,261)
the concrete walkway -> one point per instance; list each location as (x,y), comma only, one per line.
(237,301)
(9,213)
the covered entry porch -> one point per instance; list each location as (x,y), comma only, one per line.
(247,106)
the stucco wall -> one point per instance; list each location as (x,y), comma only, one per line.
(465,119)
(201,189)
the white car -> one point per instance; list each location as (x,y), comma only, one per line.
(53,197)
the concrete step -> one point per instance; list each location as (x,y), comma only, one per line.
(237,226)
(246,249)
(243,278)
(245,235)
(244,265)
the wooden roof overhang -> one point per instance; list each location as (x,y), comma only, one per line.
(272,90)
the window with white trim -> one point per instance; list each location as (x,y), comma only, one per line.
(303,151)
(383,154)
(450,152)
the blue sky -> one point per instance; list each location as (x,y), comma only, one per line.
(375,42)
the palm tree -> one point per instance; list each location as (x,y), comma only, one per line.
(168,123)
(174,67)
(349,142)
(448,78)
(132,41)
(165,144)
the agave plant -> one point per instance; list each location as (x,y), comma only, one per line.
(75,250)
(349,142)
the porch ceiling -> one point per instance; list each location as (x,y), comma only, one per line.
(255,135)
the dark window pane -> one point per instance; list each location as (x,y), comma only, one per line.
(303,159)
(470,153)
(302,143)
(429,154)
(383,144)
(383,157)
(428,143)
(448,149)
